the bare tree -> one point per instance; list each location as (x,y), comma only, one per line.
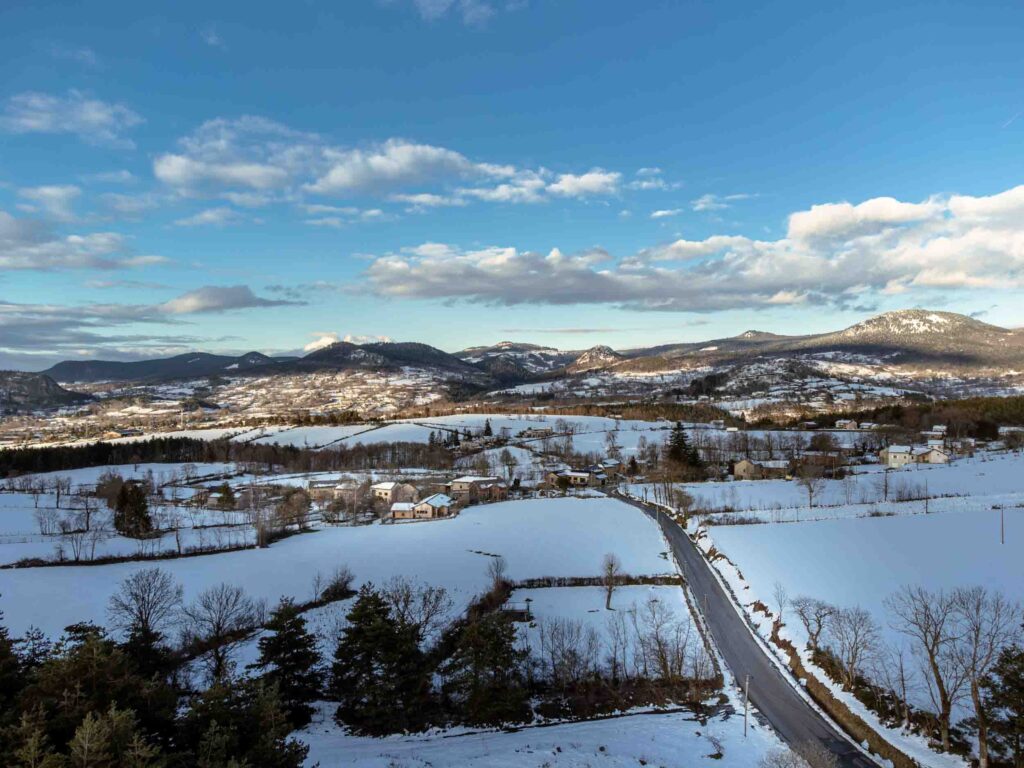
(856,638)
(781,598)
(988,623)
(422,606)
(810,479)
(611,575)
(568,650)
(815,615)
(929,620)
(497,569)
(216,616)
(892,668)
(146,602)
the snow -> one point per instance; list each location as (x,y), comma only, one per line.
(543,537)
(587,605)
(658,739)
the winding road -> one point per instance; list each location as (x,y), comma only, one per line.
(770,691)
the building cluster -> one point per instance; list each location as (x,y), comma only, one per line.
(403,501)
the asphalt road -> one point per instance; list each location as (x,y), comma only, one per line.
(772,693)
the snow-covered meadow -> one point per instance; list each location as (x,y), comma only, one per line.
(545,537)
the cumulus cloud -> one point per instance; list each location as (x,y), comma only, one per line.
(395,163)
(717,202)
(29,244)
(666,213)
(252,161)
(321,339)
(219,298)
(53,201)
(595,182)
(215,217)
(471,12)
(92,120)
(831,254)
(246,154)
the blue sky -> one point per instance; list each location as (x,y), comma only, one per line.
(240,176)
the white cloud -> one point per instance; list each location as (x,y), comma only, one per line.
(717,202)
(322,339)
(595,182)
(394,163)
(832,254)
(90,119)
(472,12)
(27,244)
(79,54)
(210,36)
(666,213)
(111,177)
(218,298)
(216,217)
(423,200)
(54,201)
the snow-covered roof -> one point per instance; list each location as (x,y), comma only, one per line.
(387,485)
(899,449)
(474,479)
(402,506)
(437,500)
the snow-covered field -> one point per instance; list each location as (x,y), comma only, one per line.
(671,739)
(631,605)
(968,483)
(544,537)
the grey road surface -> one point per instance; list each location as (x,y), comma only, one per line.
(791,716)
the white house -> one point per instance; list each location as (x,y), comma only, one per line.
(897,455)
(846,424)
(438,505)
(930,455)
(389,492)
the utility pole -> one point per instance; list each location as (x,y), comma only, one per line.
(746,703)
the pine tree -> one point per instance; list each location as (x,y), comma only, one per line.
(380,675)
(226,500)
(484,676)
(680,452)
(488,432)
(1003,694)
(290,660)
(131,511)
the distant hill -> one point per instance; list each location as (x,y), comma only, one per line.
(511,361)
(21,391)
(918,342)
(192,364)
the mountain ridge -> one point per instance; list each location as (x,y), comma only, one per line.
(944,340)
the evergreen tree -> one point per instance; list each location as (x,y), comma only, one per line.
(484,676)
(1003,693)
(680,452)
(240,724)
(131,511)
(226,500)
(380,675)
(290,660)
(488,432)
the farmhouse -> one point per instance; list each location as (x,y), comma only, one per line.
(930,455)
(896,456)
(470,489)
(846,424)
(389,492)
(437,505)
(745,469)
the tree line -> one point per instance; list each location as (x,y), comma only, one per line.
(164,450)
(959,647)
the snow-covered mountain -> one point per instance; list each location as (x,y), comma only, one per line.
(595,358)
